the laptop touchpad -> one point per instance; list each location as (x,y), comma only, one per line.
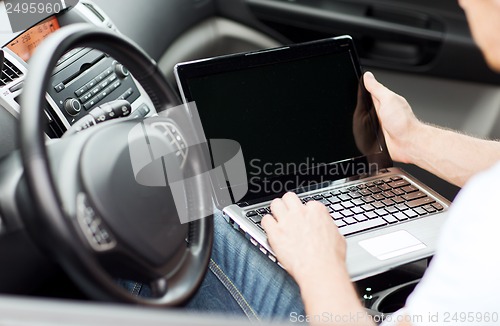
(392,245)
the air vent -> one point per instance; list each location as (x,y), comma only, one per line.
(9,73)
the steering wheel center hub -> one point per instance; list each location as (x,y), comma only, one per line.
(145,215)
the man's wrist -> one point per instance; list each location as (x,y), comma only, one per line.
(312,272)
(412,146)
(323,279)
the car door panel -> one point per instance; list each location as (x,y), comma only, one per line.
(425,37)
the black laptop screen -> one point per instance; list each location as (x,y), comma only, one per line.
(293,119)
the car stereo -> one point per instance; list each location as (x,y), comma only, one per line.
(87,78)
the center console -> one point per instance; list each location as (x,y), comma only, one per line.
(82,80)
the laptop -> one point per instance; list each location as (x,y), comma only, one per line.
(305,123)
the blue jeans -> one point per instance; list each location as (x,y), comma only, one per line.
(242,281)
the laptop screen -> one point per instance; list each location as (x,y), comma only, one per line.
(294,115)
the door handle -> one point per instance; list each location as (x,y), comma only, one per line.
(358,17)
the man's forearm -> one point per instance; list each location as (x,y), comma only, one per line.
(450,155)
(330,299)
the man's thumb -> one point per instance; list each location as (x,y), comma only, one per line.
(374,87)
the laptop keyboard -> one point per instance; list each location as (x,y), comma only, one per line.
(369,205)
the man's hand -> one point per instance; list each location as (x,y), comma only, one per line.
(305,238)
(447,154)
(308,245)
(399,124)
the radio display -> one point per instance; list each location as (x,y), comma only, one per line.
(25,44)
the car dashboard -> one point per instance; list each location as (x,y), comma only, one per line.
(82,80)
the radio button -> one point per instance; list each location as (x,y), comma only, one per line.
(105,93)
(128,93)
(112,78)
(59,87)
(103,75)
(79,92)
(104,84)
(100,78)
(86,97)
(72,106)
(91,84)
(116,85)
(88,106)
(96,90)
(93,102)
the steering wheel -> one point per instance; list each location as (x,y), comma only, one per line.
(89,210)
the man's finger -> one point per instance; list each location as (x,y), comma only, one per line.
(278,208)
(292,201)
(269,223)
(316,207)
(376,89)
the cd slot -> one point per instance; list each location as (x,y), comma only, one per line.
(70,57)
(85,68)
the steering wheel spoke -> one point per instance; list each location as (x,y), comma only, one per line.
(159,287)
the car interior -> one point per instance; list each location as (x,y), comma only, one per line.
(65,101)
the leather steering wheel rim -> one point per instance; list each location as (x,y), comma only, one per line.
(183,282)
